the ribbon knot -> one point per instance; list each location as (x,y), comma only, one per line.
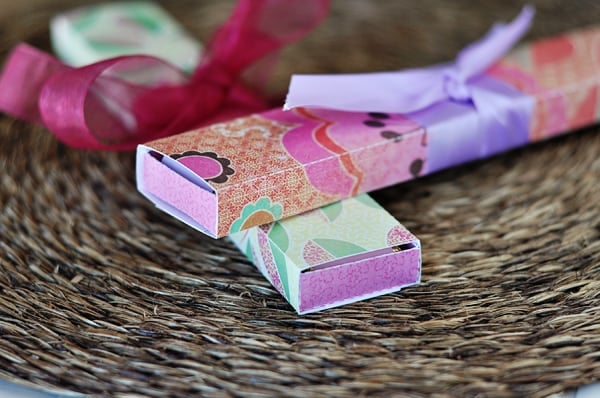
(118,103)
(180,107)
(214,73)
(455,86)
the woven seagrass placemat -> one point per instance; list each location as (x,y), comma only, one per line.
(100,293)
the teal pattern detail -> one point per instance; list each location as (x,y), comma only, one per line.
(339,248)
(279,236)
(146,22)
(248,251)
(280,262)
(367,201)
(332,211)
(105,47)
(262,205)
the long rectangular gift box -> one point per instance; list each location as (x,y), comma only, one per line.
(253,170)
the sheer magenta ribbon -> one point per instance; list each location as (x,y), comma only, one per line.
(121,102)
(415,89)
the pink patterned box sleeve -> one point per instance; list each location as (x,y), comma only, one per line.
(257,169)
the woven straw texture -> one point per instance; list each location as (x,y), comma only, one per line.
(100,293)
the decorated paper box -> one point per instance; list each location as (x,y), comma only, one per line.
(235,175)
(94,33)
(341,253)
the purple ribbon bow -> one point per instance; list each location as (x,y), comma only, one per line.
(414,89)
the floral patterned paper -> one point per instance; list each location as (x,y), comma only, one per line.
(284,163)
(355,232)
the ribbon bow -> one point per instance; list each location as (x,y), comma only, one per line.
(118,103)
(415,89)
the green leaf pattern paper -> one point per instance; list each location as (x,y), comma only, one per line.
(350,227)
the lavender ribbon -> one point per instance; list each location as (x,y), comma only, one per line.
(414,89)
(436,96)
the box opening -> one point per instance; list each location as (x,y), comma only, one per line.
(361,256)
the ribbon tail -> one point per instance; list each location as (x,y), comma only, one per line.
(480,55)
(394,92)
(89,107)
(23,79)
(257,28)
